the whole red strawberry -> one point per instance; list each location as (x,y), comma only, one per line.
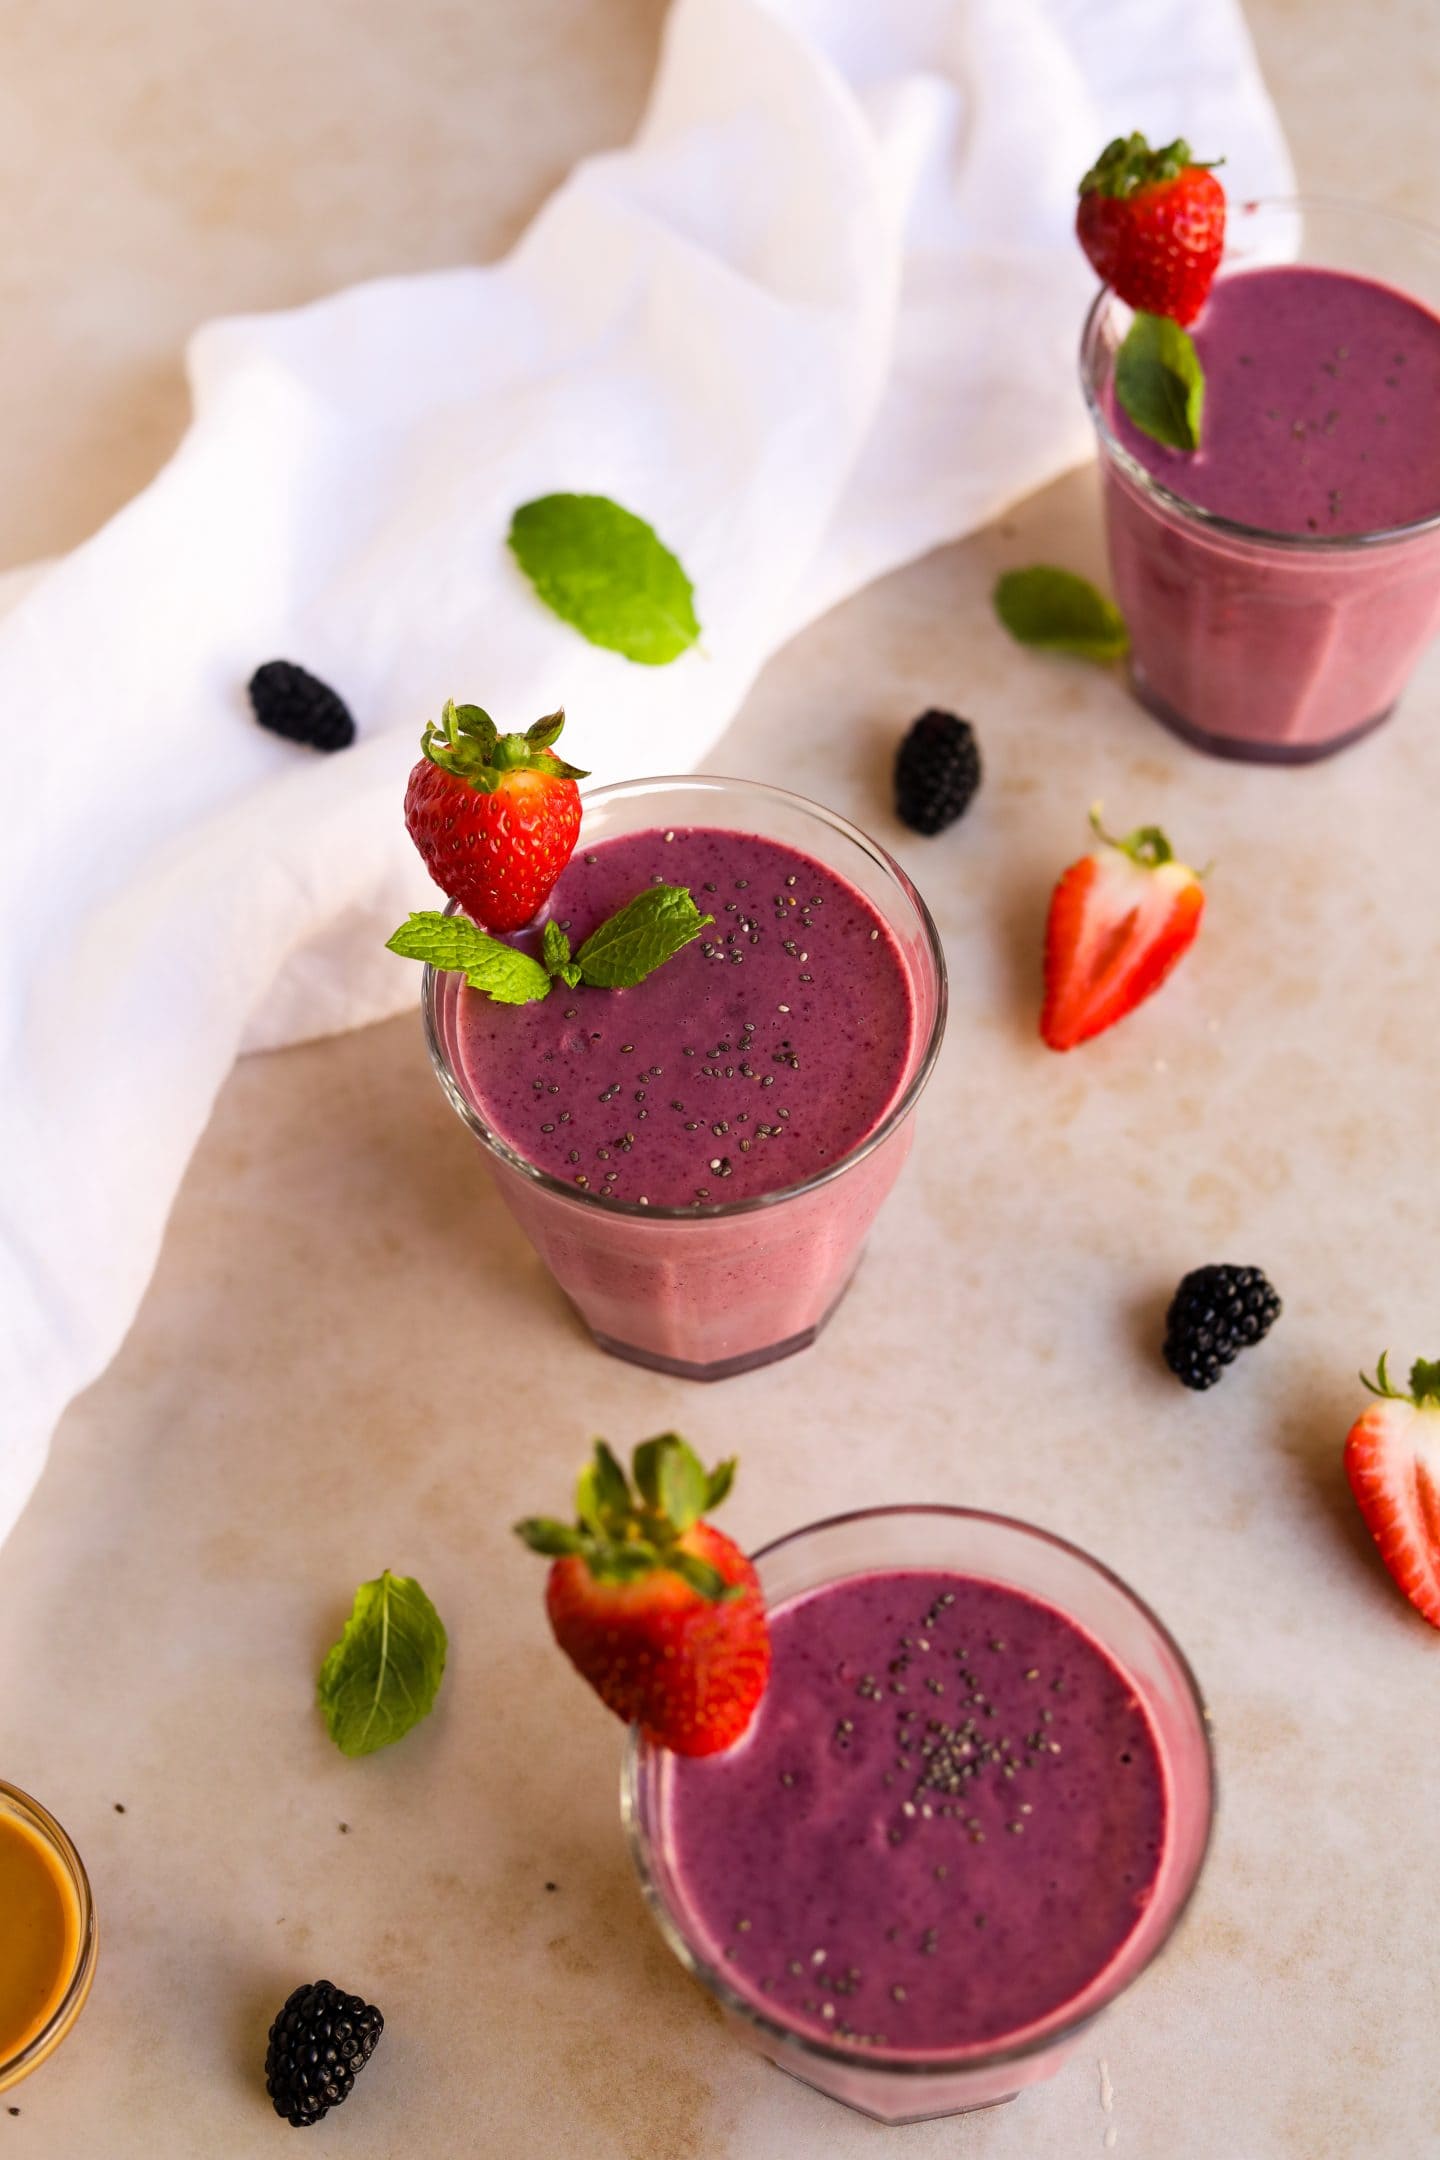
(1392,1459)
(1153,224)
(495,816)
(659,1611)
(1119,921)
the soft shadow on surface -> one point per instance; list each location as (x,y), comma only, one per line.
(1020,910)
(1145,1329)
(256,2007)
(1311,1434)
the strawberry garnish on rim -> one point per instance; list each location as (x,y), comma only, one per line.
(1392,1459)
(495,816)
(1153,224)
(1119,921)
(655,1607)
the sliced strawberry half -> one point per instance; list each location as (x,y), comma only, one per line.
(1119,921)
(658,1610)
(1392,1459)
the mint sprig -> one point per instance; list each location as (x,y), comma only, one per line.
(1160,383)
(629,946)
(384,1673)
(607,573)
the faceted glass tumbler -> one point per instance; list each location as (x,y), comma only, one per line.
(1277,648)
(903,2087)
(705,1292)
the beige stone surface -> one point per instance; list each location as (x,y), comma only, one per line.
(349,1360)
(165,161)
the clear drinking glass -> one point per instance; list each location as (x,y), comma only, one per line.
(710,1291)
(1274,647)
(898,2088)
(43,1825)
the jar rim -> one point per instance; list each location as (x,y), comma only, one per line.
(59,1843)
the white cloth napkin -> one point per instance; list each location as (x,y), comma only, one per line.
(820,316)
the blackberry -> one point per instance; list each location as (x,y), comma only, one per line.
(1215,1314)
(297,705)
(937,770)
(318,2044)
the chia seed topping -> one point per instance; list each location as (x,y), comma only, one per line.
(938,1869)
(839,1031)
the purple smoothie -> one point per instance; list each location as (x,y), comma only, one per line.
(945,1822)
(758,1056)
(1322,406)
(1321,422)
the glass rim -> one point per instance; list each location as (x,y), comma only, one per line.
(1049,2034)
(16,2066)
(721,1210)
(1321,545)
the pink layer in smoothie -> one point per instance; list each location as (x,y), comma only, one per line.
(945,1822)
(1322,406)
(758,1056)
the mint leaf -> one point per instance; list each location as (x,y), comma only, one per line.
(383,1675)
(655,925)
(650,930)
(671,1481)
(453,944)
(1160,382)
(555,952)
(1059,612)
(554,948)
(608,573)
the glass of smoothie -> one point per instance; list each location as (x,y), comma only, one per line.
(47,1935)
(697,1159)
(1281,581)
(971,1809)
